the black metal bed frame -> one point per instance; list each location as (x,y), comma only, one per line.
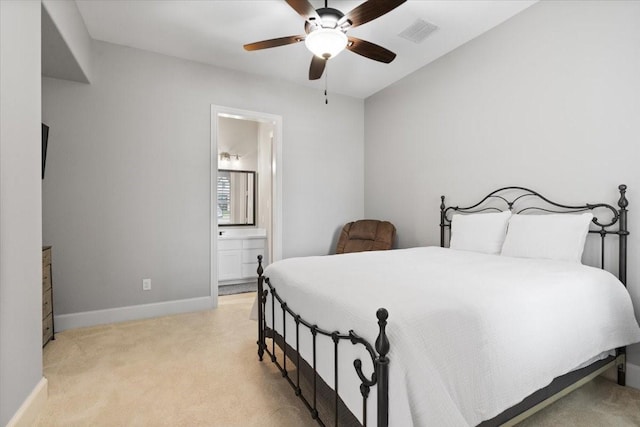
(380,375)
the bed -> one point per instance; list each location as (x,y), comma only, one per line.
(464,338)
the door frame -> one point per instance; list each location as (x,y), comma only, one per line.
(276,186)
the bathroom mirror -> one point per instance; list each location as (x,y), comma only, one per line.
(236,197)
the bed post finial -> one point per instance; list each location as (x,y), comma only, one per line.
(382,368)
(382,343)
(623,202)
(261,343)
(442,207)
(260,270)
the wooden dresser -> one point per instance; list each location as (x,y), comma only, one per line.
(47,296)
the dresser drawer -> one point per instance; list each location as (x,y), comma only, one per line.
(253,244)
(250,271)
(251,256)
(46,304)
(227,245)
(47,329)
(46,279)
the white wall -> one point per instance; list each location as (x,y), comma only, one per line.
(549,100)
(126,194)
(238,136)
(66,42)
(20,205)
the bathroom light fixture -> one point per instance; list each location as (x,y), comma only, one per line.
(226,157)
(326,43)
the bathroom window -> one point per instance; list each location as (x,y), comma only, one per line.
(224,199)
(236,197)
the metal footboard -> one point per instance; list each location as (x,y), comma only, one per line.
(379,378)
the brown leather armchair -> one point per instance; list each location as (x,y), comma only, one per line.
(366,235)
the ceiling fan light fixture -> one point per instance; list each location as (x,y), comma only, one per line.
(326,42)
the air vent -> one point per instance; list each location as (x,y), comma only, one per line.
(418,31)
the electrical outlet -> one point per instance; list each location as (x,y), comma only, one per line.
(146,284)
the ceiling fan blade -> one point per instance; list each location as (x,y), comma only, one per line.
(305,9)
(370,10)
(370,50)
(317,67)
(265,44)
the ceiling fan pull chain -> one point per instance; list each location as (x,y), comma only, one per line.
(326,78)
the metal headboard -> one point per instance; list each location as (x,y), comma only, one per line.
(511,196)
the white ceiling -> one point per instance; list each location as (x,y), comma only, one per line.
(214,32)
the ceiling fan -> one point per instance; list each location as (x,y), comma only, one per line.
(325,32)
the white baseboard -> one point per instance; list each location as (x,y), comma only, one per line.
(31,407)
(132,312)
(633,375)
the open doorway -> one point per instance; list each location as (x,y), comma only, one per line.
(246,189)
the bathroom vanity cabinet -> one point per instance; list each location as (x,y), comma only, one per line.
(238,257)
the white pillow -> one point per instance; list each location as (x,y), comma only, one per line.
(554,236)
(479,232)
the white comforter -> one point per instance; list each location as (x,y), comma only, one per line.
(471,334)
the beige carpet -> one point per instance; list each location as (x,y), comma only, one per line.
(600,403)
(201,369)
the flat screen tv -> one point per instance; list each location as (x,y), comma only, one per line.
(45,138)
